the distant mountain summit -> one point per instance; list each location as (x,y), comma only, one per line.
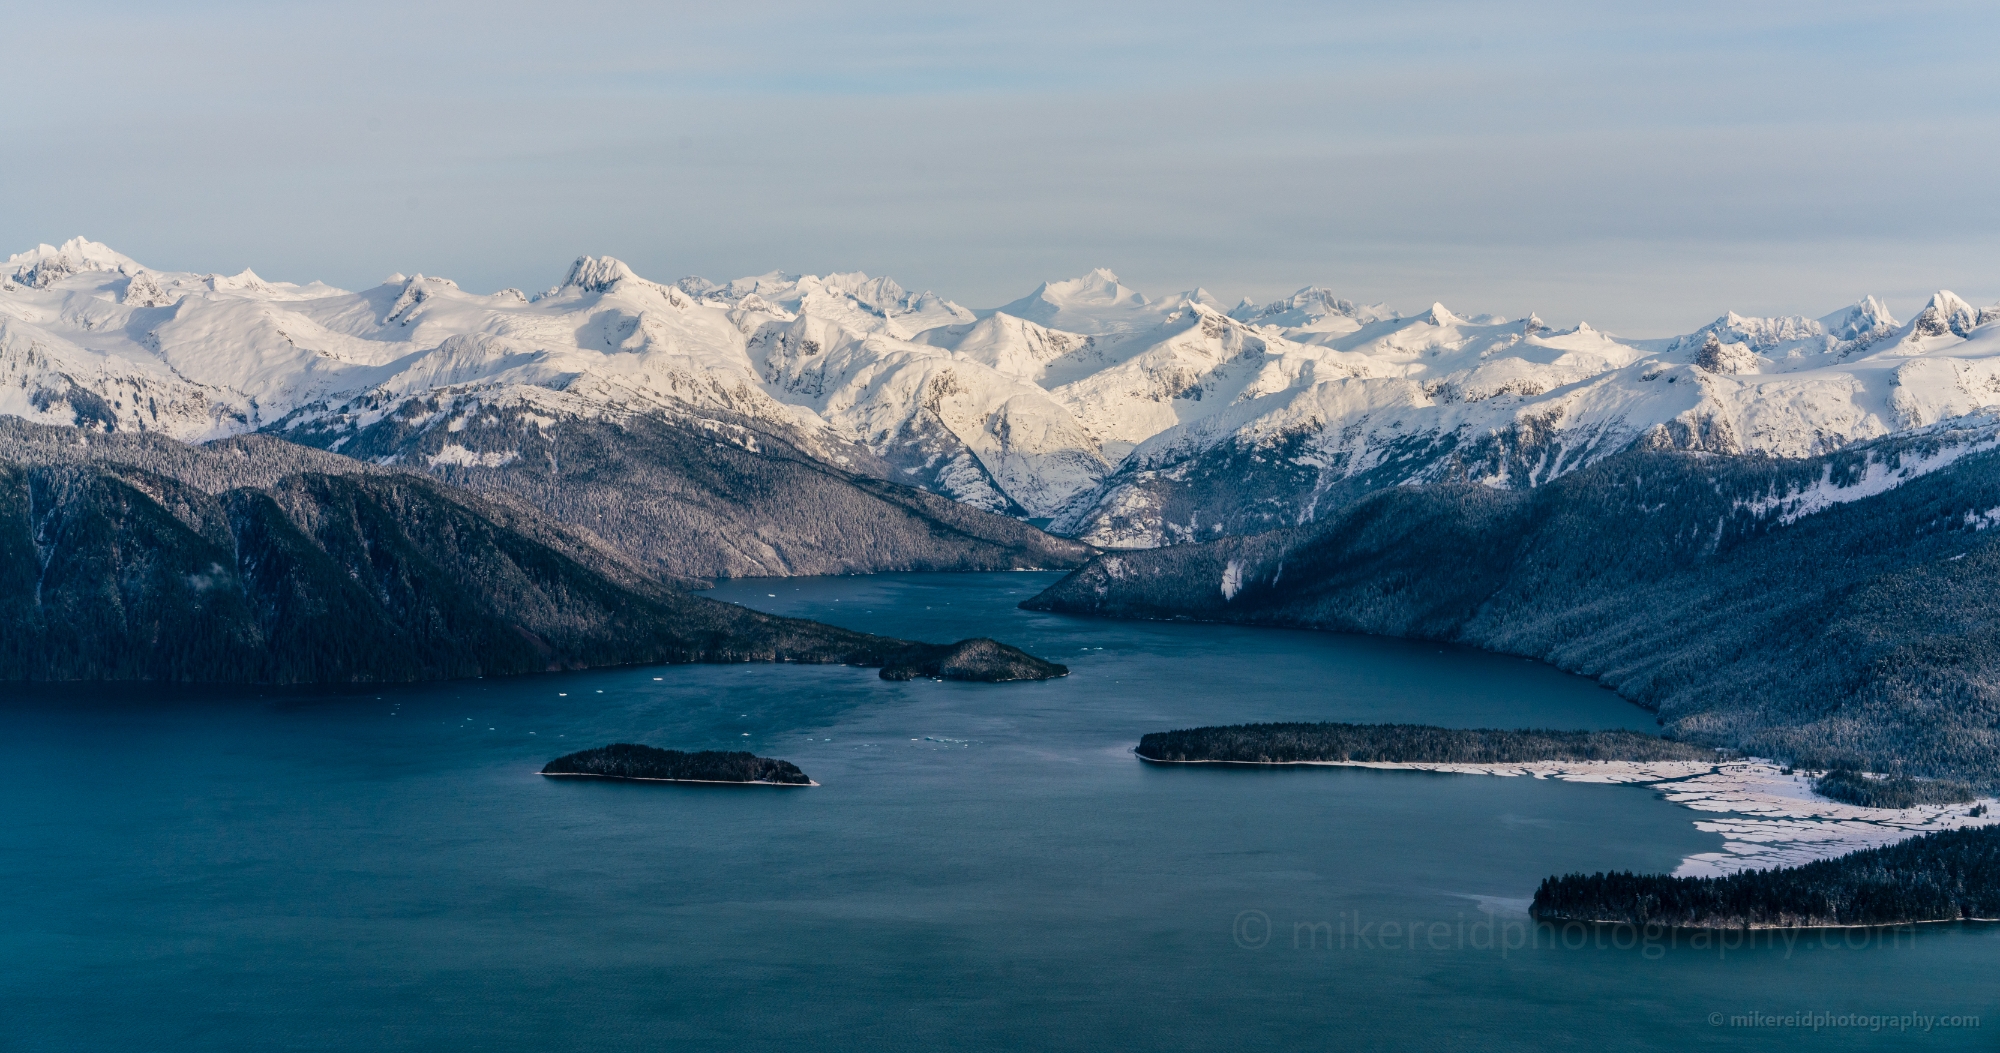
(1109,415)
(1094,303)
(1313,308)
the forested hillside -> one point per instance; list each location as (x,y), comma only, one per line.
(705,497)
(686,500)
(1809,610)
(256,561)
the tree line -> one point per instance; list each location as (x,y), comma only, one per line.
(1944,876)
(1408,744)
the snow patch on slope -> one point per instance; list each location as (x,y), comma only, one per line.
(458,456)
(1877,476)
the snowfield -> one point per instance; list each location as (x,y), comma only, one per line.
(1769,815)
(1113,416)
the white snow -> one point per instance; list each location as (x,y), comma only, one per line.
(1877,477)
(1232,579)
(1059,403)
(1768,817)
(458,456)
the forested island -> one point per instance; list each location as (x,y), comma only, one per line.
(1406,744)
(1949,876)
(975,659)
(625,760)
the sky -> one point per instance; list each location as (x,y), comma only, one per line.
(1641,167)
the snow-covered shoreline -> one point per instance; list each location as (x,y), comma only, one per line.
(1773,818)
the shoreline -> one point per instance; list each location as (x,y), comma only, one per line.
(1445,767)
(1768,818)
(1763,928)
(691,782)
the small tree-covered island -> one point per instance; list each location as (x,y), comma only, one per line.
(1948,876)
(976,659)
(625,760)
(1405,744)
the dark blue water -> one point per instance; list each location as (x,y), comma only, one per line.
(984,867)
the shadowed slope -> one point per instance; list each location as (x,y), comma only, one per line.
(1792,609)
(111,572)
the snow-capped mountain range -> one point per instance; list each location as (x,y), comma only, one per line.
(1114,417)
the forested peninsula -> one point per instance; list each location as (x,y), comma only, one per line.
(1333,743)
(1948,876)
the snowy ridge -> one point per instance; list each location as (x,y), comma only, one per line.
(1114,415)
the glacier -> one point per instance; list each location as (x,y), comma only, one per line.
(1086,406)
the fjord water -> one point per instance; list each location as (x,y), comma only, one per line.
(983,866)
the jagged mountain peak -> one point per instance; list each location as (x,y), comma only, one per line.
(1441,315)
(1730,358)
(1794,336)
(1946,300)
(1101,281)
(144,290)
(44,265)
(697,286)
(1315,308)
(245,280)
(773,292)
(860,286)
(1203,297)
(1946,313)
(416,289)
(595,274)
(887,297)
(1864,317)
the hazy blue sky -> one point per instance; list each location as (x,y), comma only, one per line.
(1641,166)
